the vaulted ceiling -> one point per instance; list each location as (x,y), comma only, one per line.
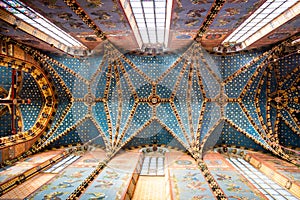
(92,21)
(117,96)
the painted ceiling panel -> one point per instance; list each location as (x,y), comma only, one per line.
(62,16)
(187,18)
(25,38)
(283,32)
(189,15)
(234,13)
(108,15)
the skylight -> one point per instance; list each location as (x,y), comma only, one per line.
(269,16)
(36,20)
(150,21)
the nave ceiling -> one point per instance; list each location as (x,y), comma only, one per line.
(191,99)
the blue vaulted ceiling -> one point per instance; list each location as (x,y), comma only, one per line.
(194,100)
(27,113)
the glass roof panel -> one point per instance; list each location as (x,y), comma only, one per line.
(150,17)
(36,20)
(262,17)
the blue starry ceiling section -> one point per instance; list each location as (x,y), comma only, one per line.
(85,67)
(289,119)
(74,82)
(113,100)
(169,80)
(262,96)
(137,78)
(167,116)
(235,87)
(210,82)
(287,65)
(287,137)
(121,107)
(289,82)
(196,99)
(76,113)
(231,137)
(154,133)
(211,116)
(153,66)
(30,90)
(163,91)
(229,64)
(237,116)
(143,113)
(70,74)
(98,86)
(64,99)
(209,62)
(248,98)
(86,132)
(144,91)
(5,123)
(101,118)
(5,78)
(286,99)
(181,102)
(127,103)
(5,117)
(214,136)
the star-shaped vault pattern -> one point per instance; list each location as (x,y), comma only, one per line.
(192,100)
